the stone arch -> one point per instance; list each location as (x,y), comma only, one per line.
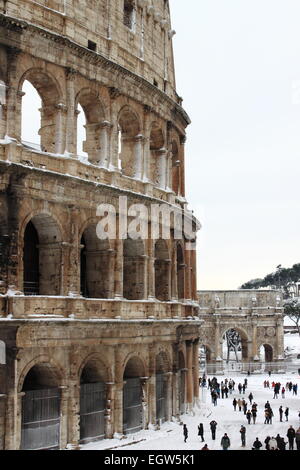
(157,153)
(42,251)
(134,265)
(95,264)
(162,385)
(244,337)
(133,394)
(162,271)
(51,96)
(93,398)
(96,141)
(130,140)
(43,363)
(40,383)
(266,351)
(129,14)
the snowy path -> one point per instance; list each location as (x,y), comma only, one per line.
(170,436)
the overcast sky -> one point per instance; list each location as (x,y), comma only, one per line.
(238,71)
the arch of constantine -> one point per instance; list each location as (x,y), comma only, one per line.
(99,337)
(255,315)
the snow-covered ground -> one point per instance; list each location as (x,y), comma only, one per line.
(170,436)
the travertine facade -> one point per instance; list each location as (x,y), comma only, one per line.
(103,333)
(257,315)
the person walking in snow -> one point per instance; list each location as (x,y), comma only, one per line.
(185,432)
(254,414)
(286,414)
(250,397)
(243,435)
(291,434)
(213,427)
(225,442)
(266,441)
(280,413)
(201,431)
(283,392)
(240,404)
(248,416)
(256,444)
(234,402)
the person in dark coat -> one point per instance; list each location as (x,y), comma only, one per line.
(250,397)
(267,442)
(254,414)
(225,442)
(280,413)
(234,402)
(257,444)
(243,435)
(213,427)
(286,414)
(248,416)
(185,432)
(201,431)
(291,434)
(205,447)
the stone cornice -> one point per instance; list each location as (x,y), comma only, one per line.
(97,58)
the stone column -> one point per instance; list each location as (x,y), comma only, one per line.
(174,277)
(182,166)
(145,398)
(189,380)
(138,156)
(71,133)
(64,403)
(175,401)
(59,128)
(279,338)
(13,108)
(218,342)
(196,371)
(105,127)
(114,140)
(109,411)
(168,377)
(118,269)
(162,167)
(151,271)
(73,414)
(254,353)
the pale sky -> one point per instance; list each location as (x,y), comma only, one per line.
(238,71)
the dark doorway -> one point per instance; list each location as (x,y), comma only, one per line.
(31,260)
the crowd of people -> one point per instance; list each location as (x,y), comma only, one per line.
(250,410)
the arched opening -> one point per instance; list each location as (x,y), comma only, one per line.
(175,168)
(132,396)
(31,116)
(40,428)
(161,390)
(31,260)
(130,144)
(266,353)
(42,257)
(133,270)
(92,402)
(162,271)
(157,153)
(94,265)
(41,113)
(235,346)
(129,14)
(91,131)
(182,383)
(180,271)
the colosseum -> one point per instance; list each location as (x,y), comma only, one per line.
(99,337)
